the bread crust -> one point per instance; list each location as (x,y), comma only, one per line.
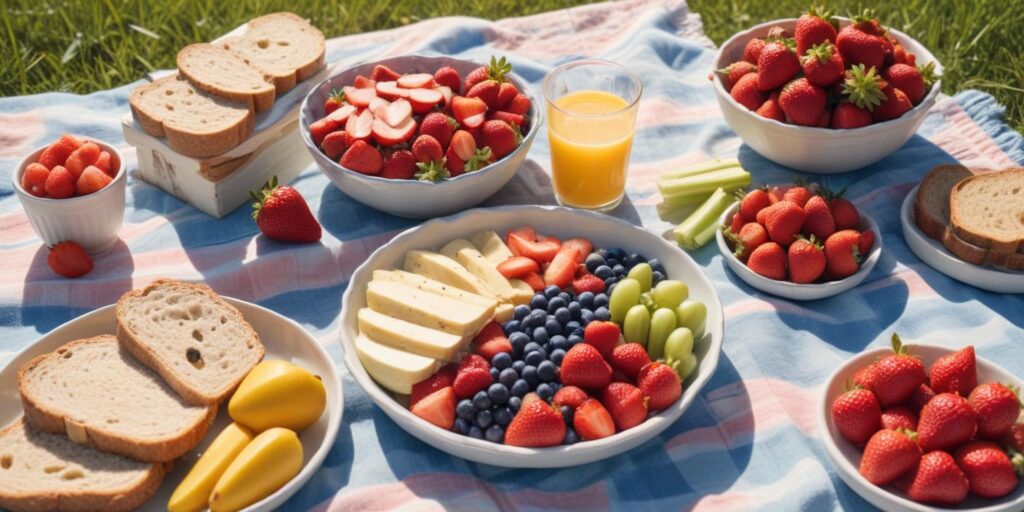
(979,255)
(261,99)
(979,237)
(285,81)
(141,351)
(931,226)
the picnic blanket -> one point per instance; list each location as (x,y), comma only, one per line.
(749,442)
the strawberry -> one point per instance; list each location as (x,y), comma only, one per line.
(803,102)
(907,79)
(470,379)
(473,361)
(495,70)
(922,395)
(469,112)
(360,98)
(33,180)
(844,213)
(753,202)
(60,184)
(751,236)
(770,108)
(584,367)
(896,104)
(938,480)
(535,281)
(282,214)
(769,260)
(818,221)
(899,417)
(108,164)
(359,127)
(507,91)
(588,283)
(784,221)
(762,216)
(1015,437)
(888,455)
(626,403)
(441,379)
(841,254)
(746,93)
(736,225)
(91,180)
(806,260)
(362,82)
(486,90)
(857,415)
(334,144)
(562,268)
(813,28)
(946,422)
(987,467)
(426,149)
(864,377)
(510,118)
(86,155)
(439,126)
(493,346)
(58,152)
(582,245)
(660,384)
(382,73)
(861,42)
(519,105)
(69,259)
(362,158)
(571,396)
(399,165)
(603,336)
(864,88)
(447,76)
(629,358)
(518,266)
(798,194)
(415,80)
(752,50)
(822,65)
(896,376)
(334,101)
(539,251)
(825,119)
(463,156)
(503,138)
(955,372)
(847,116)
(391,91)
(438,408)
(592,421)
(733,72)
(867,240)
(997,407)
(776,65)
(537,424)
(320,129)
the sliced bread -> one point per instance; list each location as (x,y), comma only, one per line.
(41,471)
(96,393)
(987,210)
(196,123)
(931,207)
(199,344)
(282,46)
(979,255)
(215,70)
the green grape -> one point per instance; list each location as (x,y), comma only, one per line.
(625,295)
(663,322)
(643,274)
(692,314)
(686,366)
(669,294)
(679,344)
(648,301)
(636,325)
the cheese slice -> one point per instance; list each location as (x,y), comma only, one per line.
(523,292)
(427,309)
(432,286)
(394,369)
(464,252)
(410,337)
(442,268)
(491,246)
(503,313)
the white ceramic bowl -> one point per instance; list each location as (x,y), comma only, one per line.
(819,150)
(790,290)
(936,255)
(846,457)
(91,221)
(413,198)
(603,231)
(282,338)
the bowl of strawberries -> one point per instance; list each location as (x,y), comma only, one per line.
(914,427)
(418,136)
(801,242)
(825,94)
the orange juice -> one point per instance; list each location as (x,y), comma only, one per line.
(590,133)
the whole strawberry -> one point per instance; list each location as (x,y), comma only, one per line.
(69,259)
(447,76)
(896,376)
(571,396)
(660,384)
(537,424)
(629,358)
(283,215)
(955,372)
(753,202)
(844,213)
(842,254)
(603,336)
(946,422)
(495,70)
(987,467)
(938,480)
(907,79)
(770,109)
(626,403)
(399,165)
(922,395)
(806,260)
(847,116)
(501,137)
(898,417)
(822,65)
(812,28)
(864,87)
(864,377)
(888,455)
(746,92)
(784,221)
(895,104)
(439,126)
(776,65)
(733,72)
(818,221)
(861,42)
(798,194)
(584,367)
(857,415)
(997,407)
(750,236)
(752,50)
(768,260)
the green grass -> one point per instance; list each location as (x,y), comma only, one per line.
(87,45)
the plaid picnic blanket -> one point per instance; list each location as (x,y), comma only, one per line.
(749,441)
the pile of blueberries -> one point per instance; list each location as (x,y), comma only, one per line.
(613,264)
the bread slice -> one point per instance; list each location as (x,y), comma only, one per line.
(196,123)
(931,207)
(987,210)
(979,255)
(195,340)
(41,471)
(96,393)
(215,70)
(282,46)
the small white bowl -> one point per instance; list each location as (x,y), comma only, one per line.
(819,150)
(791,290)
(414,198)
(846,457)
(91,221)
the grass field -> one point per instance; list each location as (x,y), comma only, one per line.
(86,45)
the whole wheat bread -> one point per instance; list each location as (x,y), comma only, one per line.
(196,123)
(282,46)
(41,471)
(215,70)
(987,210)
(931,207)
(199,344)
(96,393)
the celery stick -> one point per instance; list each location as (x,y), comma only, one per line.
(704,237)
(695,228)
(675,214)
(706,183)
(700,168)
(700,197)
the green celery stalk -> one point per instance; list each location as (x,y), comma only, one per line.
(693,232)
(706,183)
(700,168)
(685,199)
(675,214)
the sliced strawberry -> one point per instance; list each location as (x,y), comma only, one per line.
(440,379)
(360,127)
(526,232)
(438,408)
(474,121)
(362,82)
(382,73)
(397,113)
(582,245)
(463,144)
(518,266)
(446,93)
(508,117)
(334,145)
(562,268)
(360,97)
(342,113)
(592,421)
(541,252)
(319,129)
(391,91)
(379,107)
(416,80)
(389,136)
(534,281)
(469,111)
(424,99)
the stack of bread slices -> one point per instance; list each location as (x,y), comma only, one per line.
(105,416)
(978,216)
(209,106)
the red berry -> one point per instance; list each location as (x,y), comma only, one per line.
(660,384)
(888,455)
(584,367)
(69,259)
(626,404)
(630,358)
(857,415)
(603,336)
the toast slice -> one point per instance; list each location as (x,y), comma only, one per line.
(41,471)
(931,207)
(215,70)
(284,47)
(196,124)
(979,255)
(987,210)
(199,344)
(93,391)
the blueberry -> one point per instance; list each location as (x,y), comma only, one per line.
(572,326)
(600,300)
(513,326)
(586,317)
(544,391)
(552,291)
(518,341)
(530,376)
(558,342)
(494,373)
(546,371)
(555,386)
(520,312)
(593,261)
(602,252)
(520,388)
(532,346)
(570,437)
(611,262)
(540,335)
(602,314)
(565,296)
(501,360)
(514,403)
(556,303)
(539,301)
(619,270)
(495,434)
(610,283)
(574,310)
(502,416)
(563,316)
(462,426)
(498,393)
(557,356)
(633,259)
(617,253)
(586,300)
(574,339)
(533,358)
(553,327)
(657,277)
(465,409)
(656,265)
(475,432)
(484,418)
(508,377)
(566,414)
(518,366)
(604,272)
(481,400)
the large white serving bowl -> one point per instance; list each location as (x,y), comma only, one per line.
(819,150)
(789,289)
(846,457)
(413,198)
(603,231)
(282,338)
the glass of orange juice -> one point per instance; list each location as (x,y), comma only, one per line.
(591,107)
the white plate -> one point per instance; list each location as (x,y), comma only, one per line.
(936,255)
(603,231)
(790,290)
(282,338)
(846,457)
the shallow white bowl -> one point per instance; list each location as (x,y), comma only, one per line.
(91,221)
(819,150)
(281,337)
(936,255)
(790,290)
(603,231)
(414,198)
(846,457)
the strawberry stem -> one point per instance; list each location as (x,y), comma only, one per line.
(260,196)
(864,88)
